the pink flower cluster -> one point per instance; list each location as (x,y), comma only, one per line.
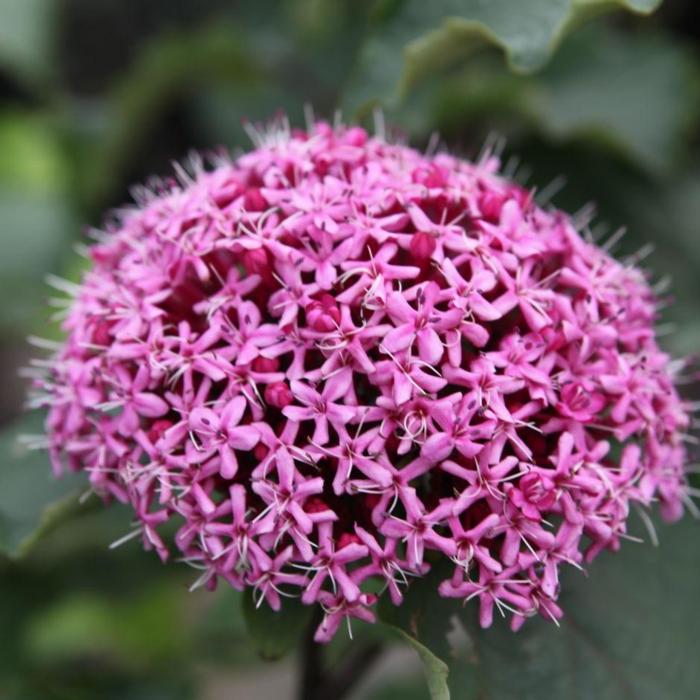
(335,362)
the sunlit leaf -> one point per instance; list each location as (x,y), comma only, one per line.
(32,158)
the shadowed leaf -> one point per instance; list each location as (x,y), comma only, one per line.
(629,631)
(414,39)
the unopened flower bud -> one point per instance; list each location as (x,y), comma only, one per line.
(422,246)
(324,314)
(278,395)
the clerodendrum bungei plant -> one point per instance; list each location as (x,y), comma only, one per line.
(336,362)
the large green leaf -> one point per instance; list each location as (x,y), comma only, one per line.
(32,501)
(600,86)
(597,91)
(630,631)
(274,634)
(414,38)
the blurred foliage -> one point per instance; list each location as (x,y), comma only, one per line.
(275,634)
(410,40)
(567,101)
(96,95)
(32,501)
(25,39)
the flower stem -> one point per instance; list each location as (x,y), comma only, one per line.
(311,671)
(316,682)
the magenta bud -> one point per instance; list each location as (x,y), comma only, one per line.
(278,394)
(490,204)
(323,315)
(265,364)
(356,136)
(256,262)
(254,200)
(422,246)
(431,176)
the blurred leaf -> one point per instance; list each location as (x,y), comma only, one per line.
(221,634)
(630,630)
(170,66)
(136,632)
(32,501)
(25,45)
(37,225)
(274,634)
(36,217)
(597,91)
(219,111)
(33,235)
(408,687)
(600,86)
(32,158)
(414,39)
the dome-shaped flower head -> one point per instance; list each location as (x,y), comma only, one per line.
(336,363)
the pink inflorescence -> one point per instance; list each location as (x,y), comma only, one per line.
(335,362)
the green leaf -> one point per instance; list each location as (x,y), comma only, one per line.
(139,630)
(600,86)
(629,631)
(37,218)
(32,156)
(425,621)
(274,634)
(32,501)
(435,669)
(419,38)
(596,91)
